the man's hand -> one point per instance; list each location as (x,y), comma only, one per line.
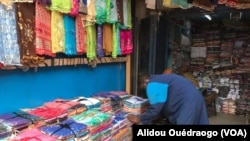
(134,119)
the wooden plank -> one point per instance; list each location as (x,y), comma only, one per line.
(128,74)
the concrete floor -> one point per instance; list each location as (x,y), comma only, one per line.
(227,119)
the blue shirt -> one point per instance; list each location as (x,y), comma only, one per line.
(177,99)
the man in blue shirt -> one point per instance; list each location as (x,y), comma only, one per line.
(173,97)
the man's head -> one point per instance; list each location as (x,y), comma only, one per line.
(143,80)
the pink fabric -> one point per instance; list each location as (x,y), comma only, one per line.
(61,104)
(80,36)
(75,7)
(47,113)
(126,42)
(32,134)
(43,31)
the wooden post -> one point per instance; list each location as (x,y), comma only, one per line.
(128,73)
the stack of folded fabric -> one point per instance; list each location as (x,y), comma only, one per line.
(135,105)
(48,115)
(99,123)
(115,99)
(14,120)
(5,131)
(228,106)
(88,102)
(105,105)
(32,134)
(67,129)
(120,126)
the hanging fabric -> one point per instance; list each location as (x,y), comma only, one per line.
(26,34)
(80,35)
(82,7)
(44,2)
(91,16)
(9,48)
(107,38)
(43,31)
(119,4)
(63,6)
(100,52)
(118,40)
(57,32)
(91,40)
(101,11)
(70,35)
(74,8)
(114,41)
(126,41)
(113,18)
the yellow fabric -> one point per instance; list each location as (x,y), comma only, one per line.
(57,32)
(107,38)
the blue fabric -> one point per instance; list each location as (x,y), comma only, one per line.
(70,35)
(157,92)
(185,104)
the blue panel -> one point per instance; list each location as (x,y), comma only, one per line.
(30,89)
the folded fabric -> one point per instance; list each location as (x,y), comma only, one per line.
(61,104)
(88,102)
(67,129)
(5,130)
(32,134)
(14,120)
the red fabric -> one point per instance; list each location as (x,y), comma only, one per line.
(126,42)
(80,36)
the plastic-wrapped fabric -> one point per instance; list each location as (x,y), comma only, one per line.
(5,130)
(67,129)
(90,102)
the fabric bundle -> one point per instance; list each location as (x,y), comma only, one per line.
(135,105)
(32,134)
(105,104)
(65,130)
(90,102)
(5,130)
(99,123)
(15,121)
(60,104)
(48,115)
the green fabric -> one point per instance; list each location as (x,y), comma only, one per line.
(101,11)
(114,40)
(108,4)
(63,6)
(91,40)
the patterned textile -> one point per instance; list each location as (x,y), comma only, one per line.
(57,32)
(113,18)
(119,4)
(43,31)
(126,41)
(100,51)
(70,35)
(101,11)
(26,34)
(14,120)
(90,103)
(81,44)
(82,7)
(9,48)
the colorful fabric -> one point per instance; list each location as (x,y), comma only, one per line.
(113,18)
(70,35)
(91,40)
(61,6)
(107,38)
(74,8)
(43,31)
(15,121)
(81,35)
(67,129)
(32,134)
(26,34)
(119,4)
(82,7)
(126,41)
(57,32)
(61,104)
(100,51)
(101,11)
(9,47)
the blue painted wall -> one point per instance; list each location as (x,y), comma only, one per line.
(19,89)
